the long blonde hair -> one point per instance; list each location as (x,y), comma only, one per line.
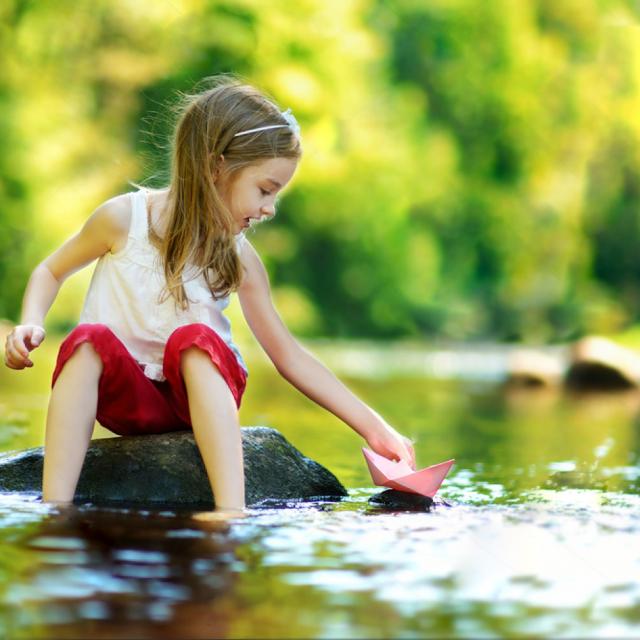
(200,229)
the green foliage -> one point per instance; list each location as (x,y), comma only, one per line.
(471,168)
(532,94)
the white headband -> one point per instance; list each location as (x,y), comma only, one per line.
(292,124)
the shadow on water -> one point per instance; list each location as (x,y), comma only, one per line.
(541,538)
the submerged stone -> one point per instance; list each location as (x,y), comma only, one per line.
(168,469)
(394,500)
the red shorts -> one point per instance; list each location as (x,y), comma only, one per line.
(129,403)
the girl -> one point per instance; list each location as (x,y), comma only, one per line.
(153,352)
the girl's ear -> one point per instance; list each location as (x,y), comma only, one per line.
(218,167)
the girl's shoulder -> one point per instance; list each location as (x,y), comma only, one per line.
(115,215)
(255,273)
(101,233)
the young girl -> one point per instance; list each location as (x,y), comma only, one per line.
(153,352)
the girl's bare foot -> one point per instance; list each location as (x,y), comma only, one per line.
(220,515)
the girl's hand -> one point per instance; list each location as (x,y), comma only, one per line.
(23,338)
(387,442)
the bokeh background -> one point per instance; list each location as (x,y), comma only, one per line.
(471,169)
(470,178)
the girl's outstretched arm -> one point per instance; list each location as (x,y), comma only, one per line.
(107,224)
(307,373)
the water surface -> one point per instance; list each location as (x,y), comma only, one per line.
(541,537)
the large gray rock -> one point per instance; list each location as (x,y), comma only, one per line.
(168,469)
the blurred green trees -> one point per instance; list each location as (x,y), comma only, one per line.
(471,168)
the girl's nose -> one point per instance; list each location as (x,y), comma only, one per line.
(269,210)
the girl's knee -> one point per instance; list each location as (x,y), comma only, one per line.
(86,349)
(98,336)
(194,346)
(89,355)
(86,358)
(195,355)
(88,343)
(91,339)
(191,341)
(190,332)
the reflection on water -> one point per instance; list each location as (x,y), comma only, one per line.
(541,538)
(556,564)
(121,567)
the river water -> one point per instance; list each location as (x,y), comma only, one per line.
(541,537)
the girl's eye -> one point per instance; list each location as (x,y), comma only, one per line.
(263,192)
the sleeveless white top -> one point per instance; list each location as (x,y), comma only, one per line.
(125,291)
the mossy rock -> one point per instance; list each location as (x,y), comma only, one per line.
(168,469)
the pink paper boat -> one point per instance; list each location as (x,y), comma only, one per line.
(400,476)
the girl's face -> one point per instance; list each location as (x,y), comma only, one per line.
(252,194)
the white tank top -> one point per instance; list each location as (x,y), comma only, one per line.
(125,290)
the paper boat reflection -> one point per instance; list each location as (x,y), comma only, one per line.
(400,476)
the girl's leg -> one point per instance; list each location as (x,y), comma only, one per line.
(214,418)
(70,419)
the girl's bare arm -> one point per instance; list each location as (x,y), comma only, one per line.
(98,235)
(305,372)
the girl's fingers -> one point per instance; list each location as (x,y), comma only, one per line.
(14,359)
(10,362)
(410,460)
(19,346)
(10,353)
(396,447)
(34,339)
(402,453)
(398,451)
(412,453)
(19,343)
(407,456)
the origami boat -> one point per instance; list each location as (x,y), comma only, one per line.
(400,476)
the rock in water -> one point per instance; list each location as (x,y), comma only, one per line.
(528,369)
(394,500)
(167,468)
(598,364)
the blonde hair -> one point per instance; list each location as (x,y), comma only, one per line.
(200,229)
